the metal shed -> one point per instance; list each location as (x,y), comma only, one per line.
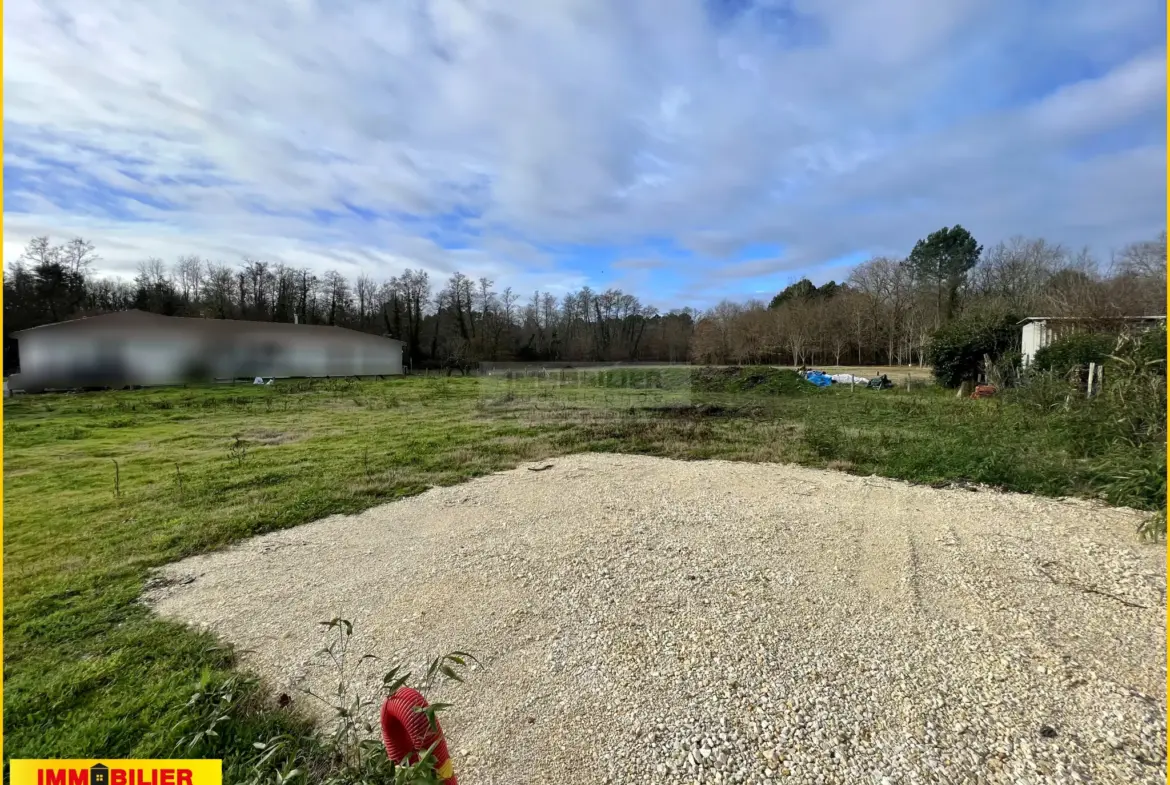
(146,349)
(1039,331)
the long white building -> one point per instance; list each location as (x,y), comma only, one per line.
(146,349)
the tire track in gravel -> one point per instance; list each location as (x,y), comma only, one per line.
(755,622)
(1077,691)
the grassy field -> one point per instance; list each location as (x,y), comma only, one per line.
(101,487)
(897,373)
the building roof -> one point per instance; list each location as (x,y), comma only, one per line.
(134,320)
(1091,319)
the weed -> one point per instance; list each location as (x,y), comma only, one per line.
(361,759)
(1153,528)
(238,451)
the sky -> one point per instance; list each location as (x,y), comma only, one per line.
(682,150)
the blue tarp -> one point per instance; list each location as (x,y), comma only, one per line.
(818,378)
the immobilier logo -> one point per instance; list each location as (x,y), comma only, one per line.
(115,772)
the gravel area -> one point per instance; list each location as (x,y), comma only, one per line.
(647,620)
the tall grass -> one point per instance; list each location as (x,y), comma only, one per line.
(1121,430)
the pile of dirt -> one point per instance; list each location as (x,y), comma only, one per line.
(750,379)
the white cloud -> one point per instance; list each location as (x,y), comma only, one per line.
(571,121)
(1093,105)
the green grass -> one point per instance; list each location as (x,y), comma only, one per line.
(89,672)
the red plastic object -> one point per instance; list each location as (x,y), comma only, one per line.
(407,733)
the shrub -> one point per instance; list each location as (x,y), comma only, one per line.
(1074,349)
(957,349)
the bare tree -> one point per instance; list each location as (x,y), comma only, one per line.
(78,256)
(1145,259)
(1015,272)
(40,251)
(795,318)
(888,284)
(189,270)
(340,301)
(415,289)
(365,289)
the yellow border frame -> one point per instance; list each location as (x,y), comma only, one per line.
(3,760)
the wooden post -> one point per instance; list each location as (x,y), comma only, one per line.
(1100,377)
(1092,376)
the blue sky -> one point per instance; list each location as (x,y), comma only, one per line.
(684,150)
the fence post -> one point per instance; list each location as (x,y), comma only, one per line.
(1092,376)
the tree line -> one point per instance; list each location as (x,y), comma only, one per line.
(884,313)
(455,322)
(887,310)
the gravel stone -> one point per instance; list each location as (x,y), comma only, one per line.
(698,622)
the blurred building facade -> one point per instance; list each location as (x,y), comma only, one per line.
(136,348)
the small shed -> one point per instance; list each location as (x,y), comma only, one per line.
(1039,331)
(136,348)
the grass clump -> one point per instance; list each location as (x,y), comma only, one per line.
(825,440)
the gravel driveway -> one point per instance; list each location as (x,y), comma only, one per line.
(647,620)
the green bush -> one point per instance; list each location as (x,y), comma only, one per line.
(1074,349)
(957,349)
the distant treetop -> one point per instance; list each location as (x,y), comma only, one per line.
(805,290)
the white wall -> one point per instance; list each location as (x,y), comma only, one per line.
(1034,337)
(48,359)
